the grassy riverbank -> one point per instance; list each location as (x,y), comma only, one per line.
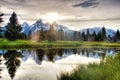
(45,44)
(108,69)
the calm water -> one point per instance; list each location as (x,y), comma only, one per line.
(46,64)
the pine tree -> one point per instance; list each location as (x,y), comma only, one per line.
(79,35)
(13,29)
(88,34)
(103,34)
(117,36)
(94,36)
(1,20)
(83,36)
(99,37)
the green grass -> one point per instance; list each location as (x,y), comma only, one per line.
(56,44)
(108,69)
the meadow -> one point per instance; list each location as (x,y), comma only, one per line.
(5,44)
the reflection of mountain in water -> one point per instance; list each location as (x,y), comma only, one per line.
(12,57)
(53,55)
(30,54)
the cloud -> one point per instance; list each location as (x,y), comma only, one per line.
(14,3)
(89,20)
(9,14)
(116,1)
(87,3)
(29,19)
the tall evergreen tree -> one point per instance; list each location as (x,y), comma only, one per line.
(117,36)
(88,34)
(94,36)
(1,20)
(99,37)
(83,36)
(103,34)
(13,29)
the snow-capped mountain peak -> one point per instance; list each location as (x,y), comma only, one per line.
(109,32)
(25,28)
(39,25)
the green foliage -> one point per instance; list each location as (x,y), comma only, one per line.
(108,69)
(103,34)
(13,29)
(1,20)
(5,44)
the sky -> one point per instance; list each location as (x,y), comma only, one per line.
(75,14)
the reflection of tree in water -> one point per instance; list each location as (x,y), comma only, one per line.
(74,51)
(82,51)
(59,53)
(0,67)
(12,62)
(40,53)
(50,54)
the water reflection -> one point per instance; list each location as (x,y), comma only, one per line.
(12,61)
(53,55)
(0,65)
(13,58)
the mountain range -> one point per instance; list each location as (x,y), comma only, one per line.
(38,25)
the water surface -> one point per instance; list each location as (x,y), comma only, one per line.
(46,64)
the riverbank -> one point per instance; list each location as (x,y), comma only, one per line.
(4,44)
(108,69)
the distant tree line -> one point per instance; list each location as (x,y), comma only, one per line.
(13,32)
(53,35)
